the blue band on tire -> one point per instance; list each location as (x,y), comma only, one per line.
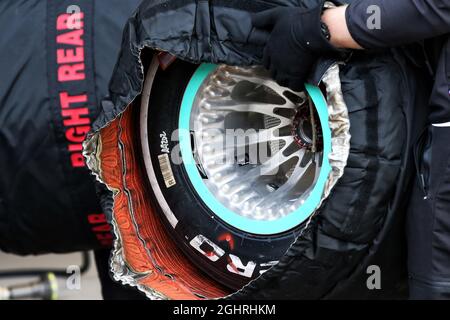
(283,224)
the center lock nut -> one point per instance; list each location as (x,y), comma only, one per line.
(306,128)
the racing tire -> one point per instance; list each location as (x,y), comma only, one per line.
(231,251)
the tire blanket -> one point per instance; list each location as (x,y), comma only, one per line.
(361,223)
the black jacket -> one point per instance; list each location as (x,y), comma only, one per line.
(406,21)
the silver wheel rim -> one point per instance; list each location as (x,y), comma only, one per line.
(266,186)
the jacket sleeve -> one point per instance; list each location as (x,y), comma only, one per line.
(388,23)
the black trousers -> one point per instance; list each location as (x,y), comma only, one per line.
(428,226)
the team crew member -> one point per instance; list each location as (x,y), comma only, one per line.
(297,37)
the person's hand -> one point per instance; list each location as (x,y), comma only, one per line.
(295,41)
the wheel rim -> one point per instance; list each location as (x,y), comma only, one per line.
(255,152)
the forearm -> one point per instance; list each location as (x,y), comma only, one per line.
(340,35)
(400,22)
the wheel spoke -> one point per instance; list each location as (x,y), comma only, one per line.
(267,168)
(263,108)
(267,82)
(288,186)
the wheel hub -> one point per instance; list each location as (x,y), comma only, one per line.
(306,128)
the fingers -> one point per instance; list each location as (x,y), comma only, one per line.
(258,37)
(265,19)
(296,85)
(283,79)
(284,82)
(274,74)
(293,83)
(266,59)
(278,56)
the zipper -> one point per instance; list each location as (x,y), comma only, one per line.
(418,152)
